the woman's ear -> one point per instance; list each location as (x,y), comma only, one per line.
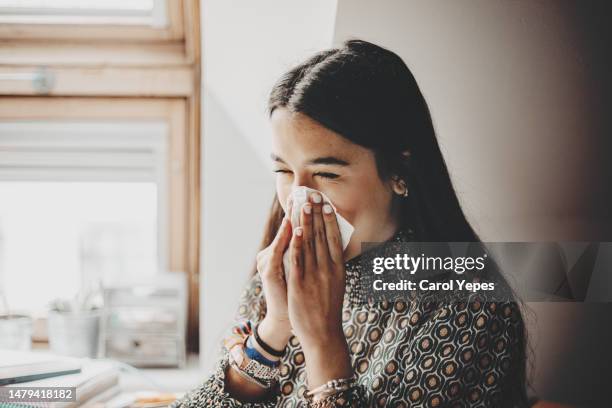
(399,186)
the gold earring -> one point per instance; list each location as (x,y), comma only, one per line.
(405,187)
(402,184)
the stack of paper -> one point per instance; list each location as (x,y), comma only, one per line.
(94,381)
(21,366)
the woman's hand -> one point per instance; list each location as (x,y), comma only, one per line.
(275,329)
(316,284)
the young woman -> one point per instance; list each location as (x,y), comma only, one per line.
(351,123)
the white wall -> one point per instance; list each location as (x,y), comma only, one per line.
(249,44)
(246,46)
(234,204)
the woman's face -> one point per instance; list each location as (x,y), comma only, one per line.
(307,154)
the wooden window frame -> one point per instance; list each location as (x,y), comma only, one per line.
(147,75)
(174,30)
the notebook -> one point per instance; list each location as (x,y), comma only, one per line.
(97,381)
(22,366)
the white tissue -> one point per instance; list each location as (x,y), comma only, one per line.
(300,196)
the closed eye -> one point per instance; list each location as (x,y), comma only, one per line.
(327,175)
(323,174)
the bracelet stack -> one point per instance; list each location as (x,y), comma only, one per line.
(251,357)
(254,354)
(326,393)
(258,363)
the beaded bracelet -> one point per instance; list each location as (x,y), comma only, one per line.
(330,388)
(264,375)
(327,402)
(246,376)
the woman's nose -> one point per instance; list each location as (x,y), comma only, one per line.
(302,180)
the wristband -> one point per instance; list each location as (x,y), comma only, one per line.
(267,348)
(262,374)
(256,355)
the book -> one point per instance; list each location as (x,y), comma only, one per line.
(21,366)
(97,380)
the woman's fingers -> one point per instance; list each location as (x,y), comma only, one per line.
(289,210)
(332,232)
(308,248)
(318,229)
(296,255)
(280,242)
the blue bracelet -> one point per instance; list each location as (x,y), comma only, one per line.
(254,354)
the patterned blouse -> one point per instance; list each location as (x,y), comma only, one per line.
(404,354)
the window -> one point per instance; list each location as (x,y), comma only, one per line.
(99,103)
(130,12)
(84,197)
(60,237)
(142,20)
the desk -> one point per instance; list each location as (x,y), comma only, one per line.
(164,379)
(133,381)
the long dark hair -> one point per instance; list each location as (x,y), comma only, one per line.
(368,95)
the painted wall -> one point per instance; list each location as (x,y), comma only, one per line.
(246,46)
